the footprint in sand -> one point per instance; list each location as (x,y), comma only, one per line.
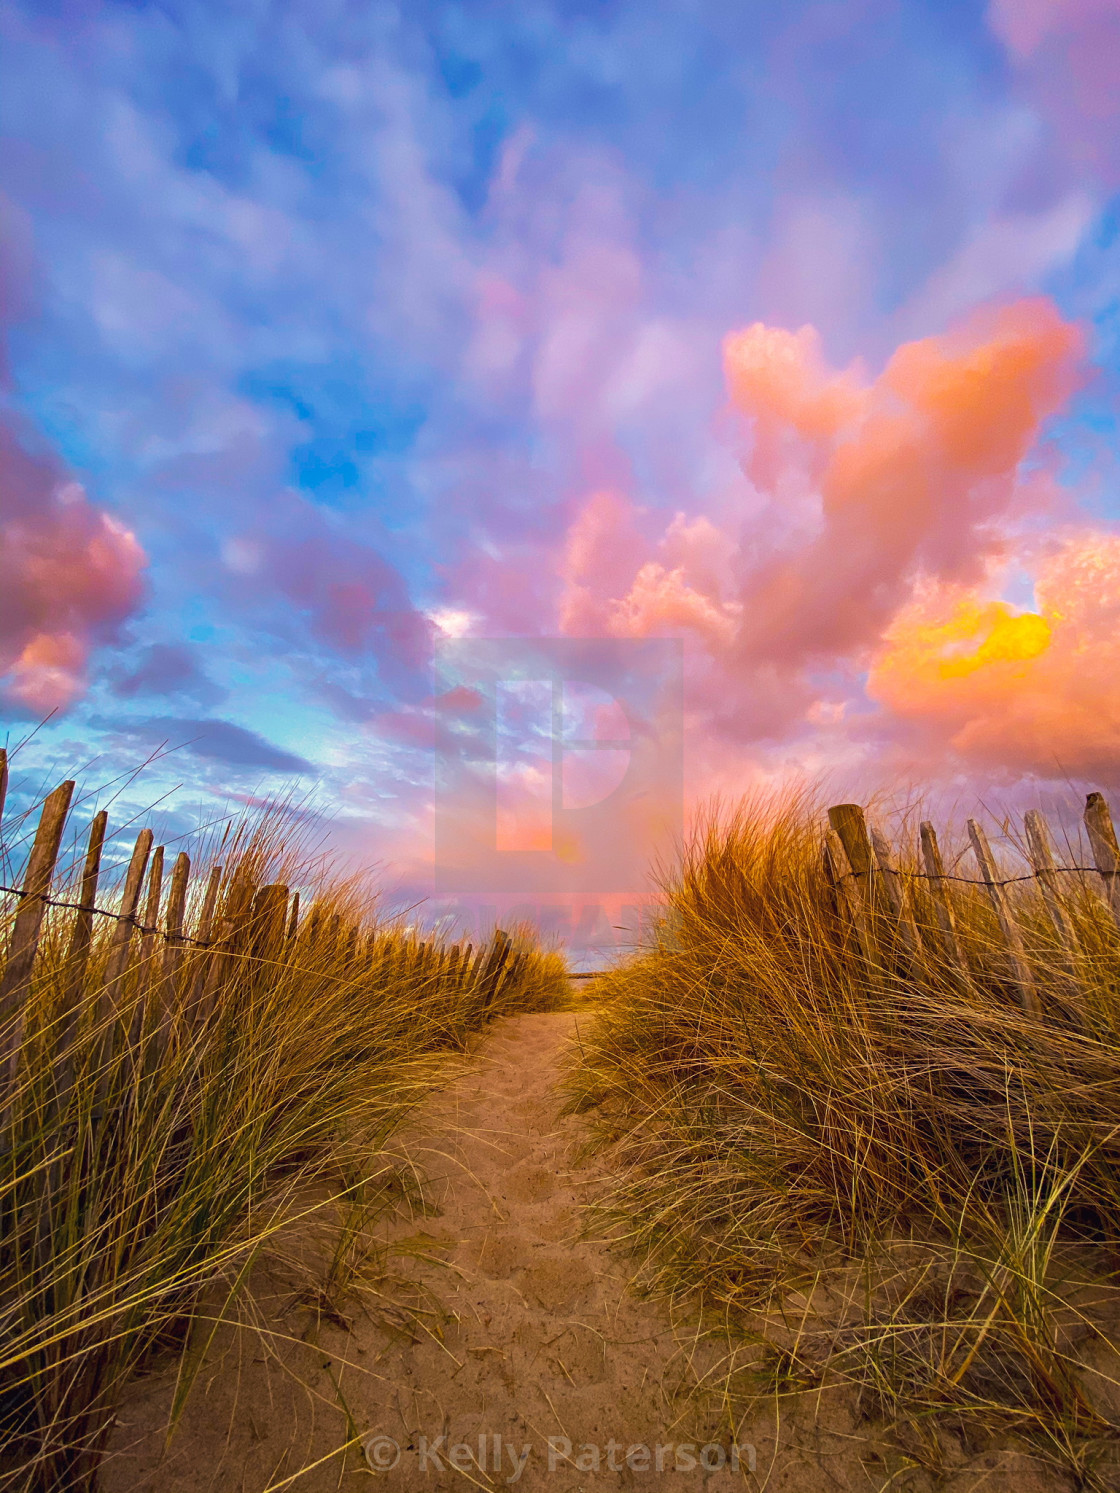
(532,1360)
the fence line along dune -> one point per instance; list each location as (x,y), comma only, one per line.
(864,1098)
(187,1063)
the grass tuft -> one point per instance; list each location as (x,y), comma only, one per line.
(158,1137)
(801,1107)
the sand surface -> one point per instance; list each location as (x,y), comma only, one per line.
(494,1347)
(500,1336)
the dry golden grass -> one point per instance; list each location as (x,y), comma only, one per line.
(145,1164)
(798,1116)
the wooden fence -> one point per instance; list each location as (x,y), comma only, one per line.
(876,895)
(165,969)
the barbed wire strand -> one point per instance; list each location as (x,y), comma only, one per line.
(974,880)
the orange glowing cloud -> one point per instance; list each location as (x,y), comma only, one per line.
(903,477)
(882,511)
(781,380)
(913,485)
(663,601)
(613,590)
(1037,691)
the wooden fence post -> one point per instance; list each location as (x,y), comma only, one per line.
(293,920)
(110,1001)
(149,936)
(81,940)
(1046,873)
(1106,852)
(176,910)
(943,906)
(494,968)
(269,917)
(1021,970)
(15,984)
(850,826)
(896,894)
(464,971)
(204,935)
(168,983)
(143,1014)
(838,872)
(235,914)
(3,779)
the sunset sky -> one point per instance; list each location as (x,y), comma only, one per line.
(332,330)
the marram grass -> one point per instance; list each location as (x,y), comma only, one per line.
(140,1168)
(935,1172)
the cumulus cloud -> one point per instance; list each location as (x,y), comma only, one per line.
(917,469)
(889,516)
(903,476)
(69,574)
(1005,689)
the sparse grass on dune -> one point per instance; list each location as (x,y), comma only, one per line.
(151,1149)
(936,1172)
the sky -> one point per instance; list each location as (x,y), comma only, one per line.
(333,334)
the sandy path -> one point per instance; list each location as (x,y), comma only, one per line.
(533,1337)
(494,1330)
(543,1340)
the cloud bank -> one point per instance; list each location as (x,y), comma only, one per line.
(69,575)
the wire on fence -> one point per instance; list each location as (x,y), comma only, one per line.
(104,912)
(965,880)
(141,927)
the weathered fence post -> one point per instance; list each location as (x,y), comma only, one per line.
(465,971)
(176,910)
(143,1014)
(838,873)
(166,988)
(293,920)
(1046,873)
(81,940)
(494,969)
(850,826)
(1106,852)
(149,934)
(111,997)
(1017,954)
(235,914)
(943,906)
(15,984)
(896,894)
(204,935)
(269,916)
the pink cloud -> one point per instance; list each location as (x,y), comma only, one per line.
(1068,55)
(333,583)
(1023,25)
(878,495)
(1003,689)
(69,573)
(918,468)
